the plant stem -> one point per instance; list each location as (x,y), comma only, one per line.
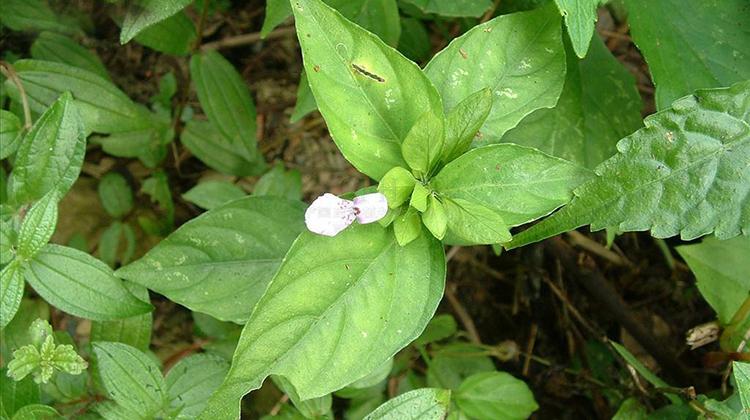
(9,72)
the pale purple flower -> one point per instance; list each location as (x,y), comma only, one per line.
(328,215)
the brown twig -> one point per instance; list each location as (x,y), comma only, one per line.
(530,349)
(490,12)
(10,72)
(182,353)
(462,314)
(280,403)
(199,27)
(583,241)
(569,306)
(245,39)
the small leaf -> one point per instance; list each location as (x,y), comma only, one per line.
(470,223)
(644,371)
(191,382)
(305,100)
(280,183)
(520,184)
(50,155)
(520,57)
(368,93)
(721,269)
(380,17)
(38,226)
(81,285)
(441,327)
(423,144)
(742,379)
(420,404)
(277,11)
(16,333)
(407,226)
(225,99)
(580,19)
(17,394)
(221,262)
(212,194)
(453,363)
(684,173)
(496,395)
(11,291)
(134,331)
(35,15)
(414,42)
(312,408)
(463,123)
(631,409)
(143,13)
(682,61)
(218,152)
(419,197)
(37,412)
(397,186)
(435,218)
(130,378)
(10,133)
(351,308)
(42,360)
(115,194)
(174,35)
(51,46)
(453,8)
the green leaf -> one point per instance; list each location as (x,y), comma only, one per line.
(453,8)
(414,42)
(420,404)
(369,94)
(435,217)
(519,183)
(495,395)
(134,331)
(706,48)
(38,226)
(419,197)
(470,223)
(312,408)
(175,35)
(16,395)
(147,144)
(455,362)
(586,124)
(44,359)
(580,19)
(212,194)
(50,155)
(305,100)
(51,46)
(684,173)
(111,249)
(351,321)
(115,194)
(10,133)
(37,412)
(103,107)
(225,99)
(81,285)
(631,409)
(374,378)
(377,16)
(520,57)
(644,371)
(16,333)
(221,262)
(11,291)
(407,226)
(397,186)
(281,183)
(277,11)
(742,379)
(144,13)
(191,382)
(463,123)
(130,378)
(35,15)
(218,152)
(439,328)
(423,145)
(157,187)
(721,269)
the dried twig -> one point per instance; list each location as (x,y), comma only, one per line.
(9,72)
(462,314)
(583,241)
(245,39)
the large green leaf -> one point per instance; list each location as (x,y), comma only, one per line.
(368,93)
(337,309)
(521,184)
(35,15)
(38,226)
(103,107)
(721,268)
(51,46)
(192,381)
(420,404)
(453,8)
(134,331)
(691,44)
(599,105)
(131,378)
(144,13)
(685,173)
(80,285)
(580,19)
(495,395)
(218,152)
(50,155)
(225,99)
(221,262)
(520,57)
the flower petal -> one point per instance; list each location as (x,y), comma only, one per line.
(370,207)
(328,215)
